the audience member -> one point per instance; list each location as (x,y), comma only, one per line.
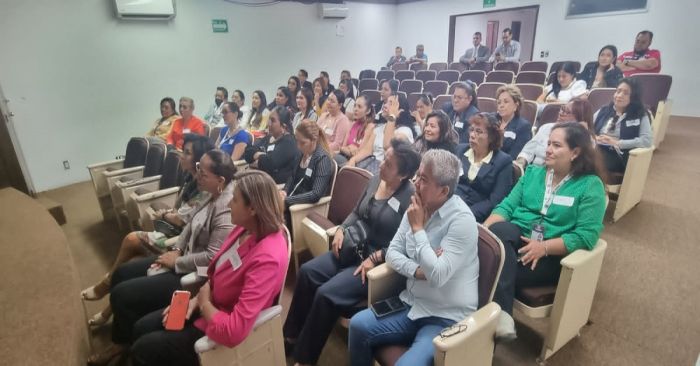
(162,126)
(232,139)
(239,98)
(508,51)
(477,54)
(305,100)
(335,282)
(293,85)
(424,105)
(327,86)
(399,122)
(551,212)
(420,57)
(187,123)
(396,58)
(622,126)
(438,133)
(275,153)
(435,248)
(387,88)
(334,123)
(213,116)
(350,152)
(257,120)
(345,75)
(319,97)
(486,171)
(603,73)
(516,130)
(348,88)
(462,108)
(237,291)
(284,98)
(303,76)
(642,58)
(146,284)
(564,87)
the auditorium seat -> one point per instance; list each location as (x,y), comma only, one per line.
(411,86)
(457,66)
(488,105)
(486,67)
(405,75)
(508,66)
(556,65)
(655,91)
(600,97)
(418,67)
(540,66)
(500,76)
(413,99)
(383,75)
(528,111)
(531,77)
(144,200)
(450,76)
(549,114)
(373,95)
(438,66)
(488,90)
(629,193)
(475,76)
(426,75)
(368,84)
(530,91)
(399,66)
(441,100)
(435,87)
(367,74)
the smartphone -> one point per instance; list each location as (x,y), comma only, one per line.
(388,306)
(178,310)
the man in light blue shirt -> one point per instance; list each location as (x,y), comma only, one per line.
(435,248)
(508,51)
(420,57)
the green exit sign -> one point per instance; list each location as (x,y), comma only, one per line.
(489,3)
(219,25)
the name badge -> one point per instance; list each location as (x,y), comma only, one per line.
(202,271)
(394,204)
(309,172)
(459,124)
(509,135)
(632,122)
(186,130)
(461,171)
(563,201)
(329,131)
(270,148)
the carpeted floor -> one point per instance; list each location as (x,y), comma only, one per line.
(643,312)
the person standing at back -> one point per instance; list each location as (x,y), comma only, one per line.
(642,58)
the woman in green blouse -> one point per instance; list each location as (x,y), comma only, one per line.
(551,212)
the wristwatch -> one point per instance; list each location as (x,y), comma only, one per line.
(627,62)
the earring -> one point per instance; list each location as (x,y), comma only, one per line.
(220,189)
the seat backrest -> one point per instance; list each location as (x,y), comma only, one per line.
(172,172)
(530,91)
(413,99)
(491,257)
(475,76)
(399,66)
(528,111)
(373,96)
(367,74)
(483,66)
(288,237)
(435,87)
(534,66)
(655,88)
(458,66)
(549,114)
(488,105)
(440,100)
(368,84)
(556,65)
(352,182)
(411,86)
(438,66)
(500,76)
(426,75)
(600,97)
(214,133)
(517,172)
(405,75)
(531,77)
(355,82)
(155,157)
(448,75)
(488,90)
(418,66)
(508,66)
(136,150)
(385,75)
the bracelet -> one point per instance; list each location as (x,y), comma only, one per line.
(546,254)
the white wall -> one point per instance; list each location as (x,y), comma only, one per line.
(673,24)
(80,82)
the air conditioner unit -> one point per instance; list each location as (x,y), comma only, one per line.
(333,11)
(145,9)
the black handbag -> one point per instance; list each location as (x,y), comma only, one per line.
(166,228)
(354,239)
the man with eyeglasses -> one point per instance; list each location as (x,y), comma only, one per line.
(462,108)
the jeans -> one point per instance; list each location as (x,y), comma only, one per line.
(367,332)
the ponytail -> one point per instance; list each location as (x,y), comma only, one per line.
(311,131)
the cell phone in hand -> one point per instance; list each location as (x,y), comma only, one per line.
(178,310)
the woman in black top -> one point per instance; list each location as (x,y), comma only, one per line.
(438,133)
(333,284)
(275,153)
(603,73)
(386,89)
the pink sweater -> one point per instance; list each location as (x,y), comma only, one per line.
(241,294)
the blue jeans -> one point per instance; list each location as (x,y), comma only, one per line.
(367,331)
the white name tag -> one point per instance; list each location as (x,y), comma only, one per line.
(329,131)
(632,122)
(309,172)
(563,201)
(461,171)
(186,130)
(459,124)
(202,271)
(509,135)
(394,204)
(270,148)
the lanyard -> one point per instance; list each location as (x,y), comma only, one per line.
(549,192)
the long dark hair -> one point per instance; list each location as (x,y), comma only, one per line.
(285,117)
(296,80)
(567,67)
(222,164)
(171,102)
(447,139)
(255,117)
(308,95)
(612,49)
(351,87)
(341,99)
(405,119)
(636,109)
(588,162)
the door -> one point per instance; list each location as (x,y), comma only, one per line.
(492,34)
(10,167)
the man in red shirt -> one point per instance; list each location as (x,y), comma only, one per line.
(187,123)
(642,59)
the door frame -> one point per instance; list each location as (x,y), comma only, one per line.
(9,123)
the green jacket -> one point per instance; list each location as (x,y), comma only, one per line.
(576,215)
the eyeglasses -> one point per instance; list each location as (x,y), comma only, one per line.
(452,330)
(476,131)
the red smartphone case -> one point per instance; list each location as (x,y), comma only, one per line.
(178,310)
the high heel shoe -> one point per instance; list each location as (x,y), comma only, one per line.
(96,292)
(99,319)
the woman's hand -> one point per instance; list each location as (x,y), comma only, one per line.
(190,310)
(204,295)
(607,140)
(417,117)
(257,155)
(168,259)
(391,107)
(363,268)
(337,244)
(532,252)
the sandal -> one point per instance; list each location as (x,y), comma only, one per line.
(100,318)
(98,291)
(104,357)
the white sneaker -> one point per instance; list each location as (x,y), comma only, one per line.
(505,330)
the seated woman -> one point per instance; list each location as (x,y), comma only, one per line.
(534,151)
(168,115)
(239,98)
(348,88)
(551,212)
(564,87)
(257,119)
(438,133)
(424,106)
(333,283)
(333,122)
(284,98)
(319,97)
(313,168)
(487,172)
(400,124)
(228,305)
(293,85)
(232,139)
(622,125)
(305,98)
(146,284)
(603,73)
(363,117)
(516,130)
(387,88)
(275,153)
(134,245)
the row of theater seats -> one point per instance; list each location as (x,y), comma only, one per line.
(516,67)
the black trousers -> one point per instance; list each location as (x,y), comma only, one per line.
(133,295)
(514,274)
(154,345)
(326,291)
(614,162)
